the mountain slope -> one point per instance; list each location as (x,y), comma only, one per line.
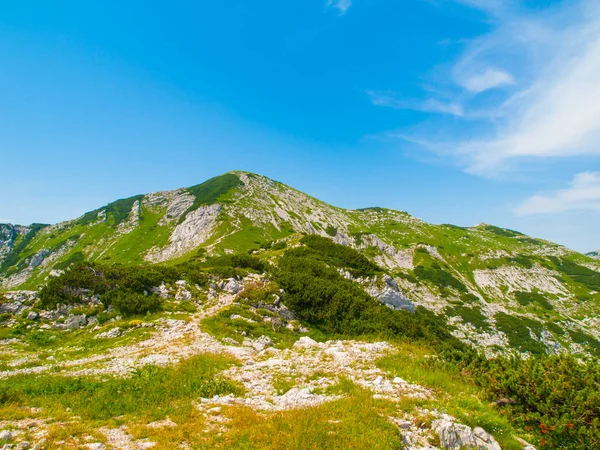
(499,287)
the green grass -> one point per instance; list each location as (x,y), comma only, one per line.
(151,392)
(116,212)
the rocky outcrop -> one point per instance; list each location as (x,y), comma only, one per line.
(193,231)
(388,293)
(455,436)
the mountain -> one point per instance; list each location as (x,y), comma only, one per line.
(242,313)
(492,283)
(595,254)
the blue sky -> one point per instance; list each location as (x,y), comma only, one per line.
(457,111)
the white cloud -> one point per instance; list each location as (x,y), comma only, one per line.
(392,100)
(583,194)
(530,89)
(341,5)
(489,78)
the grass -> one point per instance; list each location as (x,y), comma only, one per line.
(355,422)
(151,392)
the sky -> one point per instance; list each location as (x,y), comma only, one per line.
(456,111)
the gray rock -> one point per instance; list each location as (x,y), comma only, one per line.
(95,446)
(454,436)
(113,333)
(232,286)
(23,445)
(262,343)
(389,294)
(32,315)
(11,307)
(75,322)
(38,258)
(6,436)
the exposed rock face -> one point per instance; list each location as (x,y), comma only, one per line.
(389,294)
(391,257)
(133,220)
(38,258)
(76,321)
(518,279)
(7,238)
(595,254)
(180,203)
(193,231)
(454,436)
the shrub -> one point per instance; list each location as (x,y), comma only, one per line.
(555,396)
(518,331)
(131,303)
(527,298)
(440,278)
(331,230)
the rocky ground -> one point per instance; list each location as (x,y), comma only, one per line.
(273,379)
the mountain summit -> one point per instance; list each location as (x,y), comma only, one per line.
(492,282)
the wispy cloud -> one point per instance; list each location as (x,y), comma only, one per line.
(391,99)
(486,79)
(341,5)
(583,194)
(544,68)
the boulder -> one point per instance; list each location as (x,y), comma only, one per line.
(390,295)
(6,436)
(262,343)
(306,342)
(75,322)
(113,333)
(455,436)
(32,315)
(232,286)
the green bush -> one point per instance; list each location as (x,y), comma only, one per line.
(557,397)
(581,274)
(331,230)
(517,331)
(132,303)
(440,278)
(527,298)
(325,250)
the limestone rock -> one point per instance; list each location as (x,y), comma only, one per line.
(262,343)
(454,436)
(75,322)
(6,436)
(113,333)
(389,294)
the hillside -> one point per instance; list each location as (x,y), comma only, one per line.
(490,282)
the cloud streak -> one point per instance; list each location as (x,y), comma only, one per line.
(341,5)
(583,194)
